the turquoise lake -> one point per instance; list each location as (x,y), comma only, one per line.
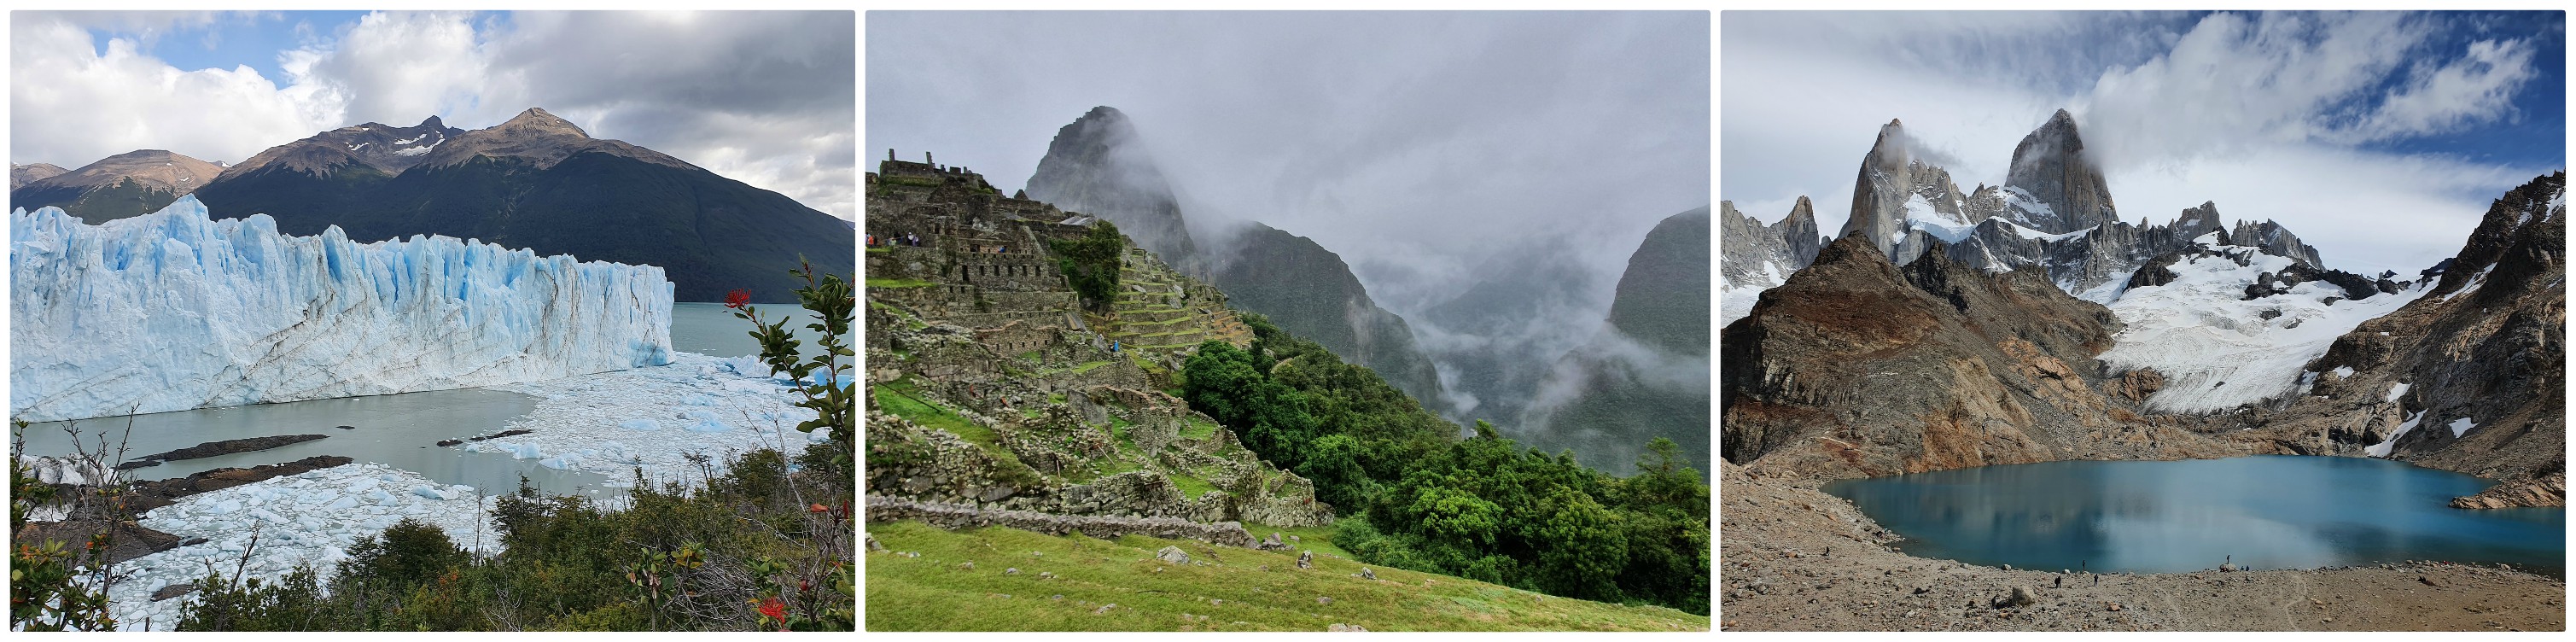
(2266,512)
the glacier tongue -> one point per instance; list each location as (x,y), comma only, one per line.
(172,311)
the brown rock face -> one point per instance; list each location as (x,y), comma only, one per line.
(21,175)
(2536,490)
(149,168)
(540,138)
(1856,367)
(2487,344)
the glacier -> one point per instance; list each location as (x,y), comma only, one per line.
(2218,350)
(173,311)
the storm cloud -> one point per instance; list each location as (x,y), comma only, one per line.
(1421,147)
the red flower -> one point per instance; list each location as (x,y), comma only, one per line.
(817,508)
(774,609)
(737,298)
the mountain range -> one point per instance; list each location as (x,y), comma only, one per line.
(534,182)
(2026,322)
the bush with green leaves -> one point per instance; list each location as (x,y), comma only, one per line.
(1090,263)
(1478,507)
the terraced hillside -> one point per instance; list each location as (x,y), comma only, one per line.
(992,386)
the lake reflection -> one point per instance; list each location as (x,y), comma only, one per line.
(2172,516)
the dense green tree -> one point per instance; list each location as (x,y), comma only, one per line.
(1090,263)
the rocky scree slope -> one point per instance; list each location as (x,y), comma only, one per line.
(2469,377)
(1859,367)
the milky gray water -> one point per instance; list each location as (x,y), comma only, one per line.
(2264,512)
(397,430)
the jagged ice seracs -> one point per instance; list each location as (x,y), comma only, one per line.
(172,311)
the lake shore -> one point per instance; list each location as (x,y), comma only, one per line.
(1792,558)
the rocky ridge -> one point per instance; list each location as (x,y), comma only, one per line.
(2469,377)
(121,186)
(1753,257)
(2054,211)
(21,175)
(378,147)
(1859,367)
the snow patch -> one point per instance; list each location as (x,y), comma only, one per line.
(2396,391)
(2382,449)
(2215,350)
(2461,426)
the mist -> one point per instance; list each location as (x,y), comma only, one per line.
(1528,153)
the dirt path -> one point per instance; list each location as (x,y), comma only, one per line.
(1791,558)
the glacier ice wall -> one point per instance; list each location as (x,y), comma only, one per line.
(172,311)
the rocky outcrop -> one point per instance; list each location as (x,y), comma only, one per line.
(2054,212)
(1859,367)
(1310,292)
(1751,254)
(2529,490)
(214,448)
(148,495)
(2471,376)
(2067,187)
(1096,166)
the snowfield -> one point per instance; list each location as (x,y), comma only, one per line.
(172,311)
(2218,352)
(654,418)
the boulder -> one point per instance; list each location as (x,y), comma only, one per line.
(1172,554)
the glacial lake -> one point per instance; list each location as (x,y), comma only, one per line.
(397,430)
(2268,512)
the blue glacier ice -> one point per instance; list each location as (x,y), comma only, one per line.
(173,311)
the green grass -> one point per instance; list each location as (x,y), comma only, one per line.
(898,283)
(880,250)
(1198,429)
(1191,487)
(1319,538)
(897,398)
(1241,590)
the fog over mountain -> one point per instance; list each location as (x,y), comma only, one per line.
(1486,176)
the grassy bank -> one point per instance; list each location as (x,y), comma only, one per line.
(1238,590)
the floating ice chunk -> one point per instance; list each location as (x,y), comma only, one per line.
(709,425)
(640,424)
(429,493)
(698,400)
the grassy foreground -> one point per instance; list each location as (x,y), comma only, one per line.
(1239,590)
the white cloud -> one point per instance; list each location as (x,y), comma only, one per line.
(766,98)
(74,103)
(2477,87)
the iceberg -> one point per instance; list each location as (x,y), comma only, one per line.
(173,311)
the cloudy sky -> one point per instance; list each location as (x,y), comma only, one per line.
(2379,138)
(1416,145)
(767,98)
